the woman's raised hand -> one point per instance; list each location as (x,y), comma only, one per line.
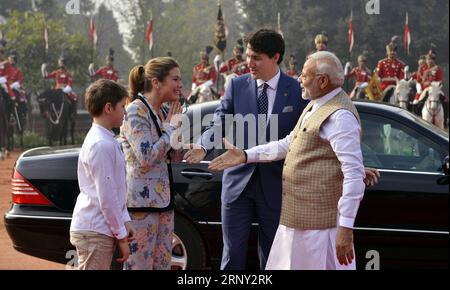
(174,116)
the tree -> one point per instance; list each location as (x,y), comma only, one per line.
(24,33)
(301,20)
(181,27)
(108,36)
(21,5)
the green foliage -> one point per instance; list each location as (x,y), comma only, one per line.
(24,33)
(108,36)
(183,27)
(30,140)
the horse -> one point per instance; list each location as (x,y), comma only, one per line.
(4,99)
(404,92)
(18,116)
(433,111)
(58,110)
(388,93)
(9,120)
(203,93)
(359,92)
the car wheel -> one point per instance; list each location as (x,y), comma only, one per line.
(188,248)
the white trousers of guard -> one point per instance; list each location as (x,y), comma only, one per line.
(294,249)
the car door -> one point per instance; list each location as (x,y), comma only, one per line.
(404,218)
(198,189)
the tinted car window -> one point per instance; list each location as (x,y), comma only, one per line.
(388,144)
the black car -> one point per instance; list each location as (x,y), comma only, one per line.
(402,221)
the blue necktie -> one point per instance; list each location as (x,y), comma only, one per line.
(263,102)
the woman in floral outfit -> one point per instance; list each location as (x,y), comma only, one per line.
(146,136)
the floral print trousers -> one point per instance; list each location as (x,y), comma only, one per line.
(152,248)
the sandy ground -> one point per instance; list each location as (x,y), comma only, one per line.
(10,258)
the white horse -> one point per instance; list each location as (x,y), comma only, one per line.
(403,93)
(433,111)
(203,93)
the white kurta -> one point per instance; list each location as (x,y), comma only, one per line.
(294,249)
(316,249)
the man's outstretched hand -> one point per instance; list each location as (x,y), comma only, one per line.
(234,156)
(195,153)
(372,176)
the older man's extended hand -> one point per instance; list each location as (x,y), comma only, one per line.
(344,246)
(372,176)
(234,156)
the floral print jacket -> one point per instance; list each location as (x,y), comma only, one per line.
(146,155)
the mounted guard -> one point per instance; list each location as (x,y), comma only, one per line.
(390,70)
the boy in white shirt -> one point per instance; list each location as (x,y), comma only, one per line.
(100,216)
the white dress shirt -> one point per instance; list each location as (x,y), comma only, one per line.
(342,130)
(101,204)
(271,91)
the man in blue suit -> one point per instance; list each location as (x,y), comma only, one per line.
(253,191)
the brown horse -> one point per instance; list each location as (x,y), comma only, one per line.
(59,113)
(17,117)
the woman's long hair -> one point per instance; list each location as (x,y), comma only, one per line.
(139,79)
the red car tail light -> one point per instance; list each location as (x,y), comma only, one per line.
(24,192)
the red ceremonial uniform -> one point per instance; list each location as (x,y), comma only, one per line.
(6,70)
(233,65)
(360,75)
(62,78)
(228,66)
(202,73)
(241,68)
(417,76)
(108,73)
(17,76)
(427,75)
(430,75)
(389,71)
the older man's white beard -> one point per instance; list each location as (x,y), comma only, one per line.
(305,95)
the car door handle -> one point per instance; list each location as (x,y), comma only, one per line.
(201,174)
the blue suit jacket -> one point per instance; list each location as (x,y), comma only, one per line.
(241,98)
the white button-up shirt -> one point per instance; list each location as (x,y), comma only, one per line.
(101,204)
(271,91)
(342,130)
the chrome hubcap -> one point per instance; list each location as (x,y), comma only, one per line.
(179,254)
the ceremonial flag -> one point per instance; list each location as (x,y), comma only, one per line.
(45,36)
(149,34)
(220,34)
(279,25)
(93,34)
(351,37)
(407,37)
